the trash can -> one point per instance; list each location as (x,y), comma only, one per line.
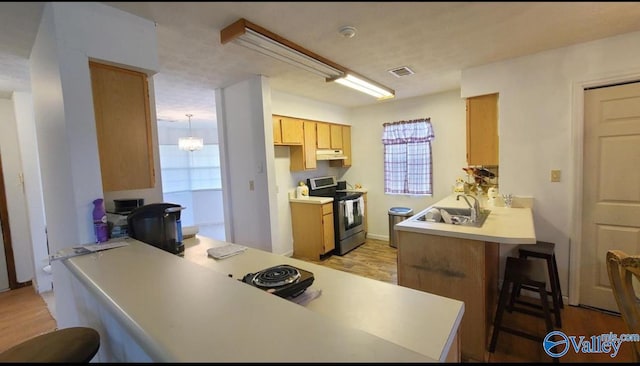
(396,215)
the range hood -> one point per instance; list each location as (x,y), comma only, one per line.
(327,154)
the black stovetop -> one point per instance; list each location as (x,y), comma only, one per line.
(282,280)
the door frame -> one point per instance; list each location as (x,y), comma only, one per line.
(577,128)
(6,238)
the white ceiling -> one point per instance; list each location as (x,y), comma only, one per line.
(435,39)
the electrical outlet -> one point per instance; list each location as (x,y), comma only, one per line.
(555,175)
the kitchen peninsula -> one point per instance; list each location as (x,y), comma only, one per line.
(462,262)
(152,306)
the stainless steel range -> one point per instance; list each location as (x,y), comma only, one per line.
(348,213)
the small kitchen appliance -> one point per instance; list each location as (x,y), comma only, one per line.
(158,224)
(282,280)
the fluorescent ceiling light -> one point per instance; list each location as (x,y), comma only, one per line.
(247,34)
(365,86)
(269,47)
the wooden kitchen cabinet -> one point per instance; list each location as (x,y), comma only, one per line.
(313,230)
(336,136)
(346,148)
(329,136)
(323,135)
(123,127)
(303,157)
(287,131)
(482,130)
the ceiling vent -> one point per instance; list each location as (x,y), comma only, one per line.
(401,71)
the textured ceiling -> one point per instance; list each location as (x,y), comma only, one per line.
(435,39)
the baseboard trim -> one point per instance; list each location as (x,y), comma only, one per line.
(377,237)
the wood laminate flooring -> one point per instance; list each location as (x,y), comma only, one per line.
(24,314)
(376,259)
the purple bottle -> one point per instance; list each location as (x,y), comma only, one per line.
(100,226)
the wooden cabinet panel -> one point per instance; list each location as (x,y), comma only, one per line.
(310,161)
(336,136)
(277,131)
(312,227)
(482,130)
(328,242)
(304,157)
(123,127)
(346,148)
(324,135)
(291,132)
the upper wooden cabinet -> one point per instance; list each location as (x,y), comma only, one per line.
(482,130)
(287,131)
(304,157)
(346,148)
(324,135)
(329,136)
(336,136)
(304,137)
(123,127)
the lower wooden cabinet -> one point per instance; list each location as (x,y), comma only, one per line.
(313,231)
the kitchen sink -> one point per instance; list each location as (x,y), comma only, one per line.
(459,216)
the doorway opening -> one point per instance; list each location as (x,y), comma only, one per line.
(193,179)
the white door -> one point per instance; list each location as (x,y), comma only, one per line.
(611,186)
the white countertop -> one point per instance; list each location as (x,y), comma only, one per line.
(189,310)
(314,200)
(417,320)
(503,225)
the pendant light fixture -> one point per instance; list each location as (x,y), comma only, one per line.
(190,143)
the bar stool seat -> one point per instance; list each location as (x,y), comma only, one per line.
(544,250)
(520,272)
(68,345)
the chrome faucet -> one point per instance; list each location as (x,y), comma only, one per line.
(475,208)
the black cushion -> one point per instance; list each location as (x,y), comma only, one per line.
(69,345)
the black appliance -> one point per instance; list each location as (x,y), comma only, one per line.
(283,280)
(125,206)
(158,224)
(349,233)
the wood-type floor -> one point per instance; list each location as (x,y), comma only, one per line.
(376,259)
(24,314)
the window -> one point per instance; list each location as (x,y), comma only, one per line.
(190,171)
(407,157)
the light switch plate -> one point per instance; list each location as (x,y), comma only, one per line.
(555,175)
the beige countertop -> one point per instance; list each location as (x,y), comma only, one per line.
(419,321)
(503,225)
(313,200)
(189,310)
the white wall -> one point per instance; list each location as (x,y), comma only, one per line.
(540,124)
(23,106)
(70,34)
(301,107)
(250,214)
(448,118)
(14,193)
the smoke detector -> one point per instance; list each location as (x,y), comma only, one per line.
(348,31)
(401,71)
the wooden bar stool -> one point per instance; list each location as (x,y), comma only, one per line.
(520,272)
(68,345)
(546,251)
